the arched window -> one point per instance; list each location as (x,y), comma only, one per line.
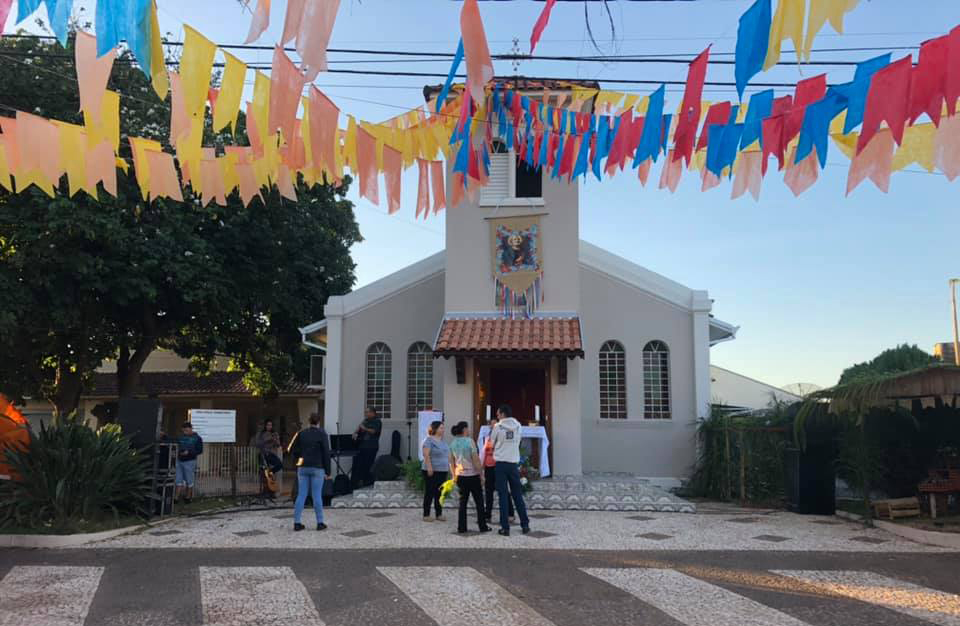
(379,378)
(613,381)
(656,381)
(419,379)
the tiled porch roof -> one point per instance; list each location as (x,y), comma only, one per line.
(510,337)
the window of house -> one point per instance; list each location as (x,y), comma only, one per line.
(379,378)
(656,380)
(613,381)
(510,177)
(419,379)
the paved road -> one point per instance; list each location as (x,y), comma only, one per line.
(474,588)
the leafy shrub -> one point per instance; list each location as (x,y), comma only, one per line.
(413,474)
(72,475)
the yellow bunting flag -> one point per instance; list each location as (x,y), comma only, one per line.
(158,62)
(820,12)
(917,147)
(196,66)
(108,126)
(139,148)
(231,91)
(261,107)
(350,145)
(787,24)
(73,151)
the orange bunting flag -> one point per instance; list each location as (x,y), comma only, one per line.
(392,173)
(946,147)
(291,24)
(260,21)
(179,117)
(874,162)
(39,142)
(708,180)
(139,147)
(800,176)
(367,166)
(439,189)
(253,131)
(324,116)
(247,183)
(643,172)
(211,180)
(747,175)
(316,27)
(285,183)
(476,50)
(4,167)
(101,167)
(286,85)
(423,188)
(92,72)
(163,176)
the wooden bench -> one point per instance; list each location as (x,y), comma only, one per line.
(897,507)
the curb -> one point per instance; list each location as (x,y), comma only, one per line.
(71,541)
(928,537)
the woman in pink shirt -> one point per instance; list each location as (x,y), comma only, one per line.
(489,475)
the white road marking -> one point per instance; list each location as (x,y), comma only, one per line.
(462,596)
(266,596)
(927,604)
(46,595)
(691,600)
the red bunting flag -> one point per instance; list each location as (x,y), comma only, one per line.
(928,81)
(689,118)
(718,113)
(773,142)
(887,101)
(952,88)
(540,24)
(808,91)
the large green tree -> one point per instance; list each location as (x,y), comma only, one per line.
(903,358)
(87,279)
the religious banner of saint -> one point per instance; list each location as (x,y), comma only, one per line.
(517,264)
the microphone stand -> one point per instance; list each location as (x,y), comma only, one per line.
(409,427)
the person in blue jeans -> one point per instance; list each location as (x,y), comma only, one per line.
(190,446)
(506,452)
(311,448)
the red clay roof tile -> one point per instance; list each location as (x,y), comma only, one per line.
(509,336)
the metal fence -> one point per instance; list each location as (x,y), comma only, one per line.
(226,469)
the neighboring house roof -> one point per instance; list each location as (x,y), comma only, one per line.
(592,258)
(188,384)
(540,336)
(733,390)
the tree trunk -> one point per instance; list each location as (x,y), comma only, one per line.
(130,365)
(66,395)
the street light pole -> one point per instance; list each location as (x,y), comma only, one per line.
(956,335)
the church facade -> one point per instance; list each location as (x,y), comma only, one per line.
(613,360)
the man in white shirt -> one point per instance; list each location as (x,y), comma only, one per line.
(506,452)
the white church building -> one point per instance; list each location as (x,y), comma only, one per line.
(519,310)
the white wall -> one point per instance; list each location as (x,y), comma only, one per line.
(732,389)
(663,449)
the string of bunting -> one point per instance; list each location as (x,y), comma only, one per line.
(892,114)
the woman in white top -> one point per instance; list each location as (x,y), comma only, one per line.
(468,473)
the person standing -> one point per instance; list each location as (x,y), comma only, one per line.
(368,444)
(311,448)
(467,472)
(436,464)
(267,441)
(190,447)
(506,453)
(490,475)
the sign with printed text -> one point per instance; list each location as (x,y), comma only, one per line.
(215,425)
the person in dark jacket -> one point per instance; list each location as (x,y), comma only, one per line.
(190,446)
(311,448)
(367,436)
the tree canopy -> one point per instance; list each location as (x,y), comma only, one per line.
(903,358)
(88,279)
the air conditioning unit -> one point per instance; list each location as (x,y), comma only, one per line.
(318,375)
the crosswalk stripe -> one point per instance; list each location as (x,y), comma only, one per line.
(48,595)
(937,607)
(255,595)
(462,596)
(690,600)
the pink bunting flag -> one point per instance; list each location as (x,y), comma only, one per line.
(946,147)
(260,21)
(928,81)
(423,188)
(392,173)
(163,175)
(479,63)
(285,183)
(688,119)
(212,94)
(316,28)
(92,72)
(179,118)
(294,154)
(285,91)
(246,183)
(367,166)
(39,143)
(211,181)
(671,173)
(324,116)
(748,175)
(101,167)
(291,24)
(875,161)
(253,133)
(800,176)
(643,172)
(887,101)
(4,13)
(541,24)
(439,189)
(708,180)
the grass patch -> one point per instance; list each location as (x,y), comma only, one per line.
(80,528)
(203,505)
(852,506)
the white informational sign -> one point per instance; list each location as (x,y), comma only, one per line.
(215,425)
(424,419)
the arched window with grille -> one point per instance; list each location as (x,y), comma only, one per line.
(656,381)
(613,381)
(379,378)
(419,379)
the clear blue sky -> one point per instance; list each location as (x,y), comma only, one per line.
(816,283)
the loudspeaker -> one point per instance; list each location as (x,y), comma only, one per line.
(811,487)
(140,420)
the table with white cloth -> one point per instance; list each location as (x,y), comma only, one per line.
(526,432)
